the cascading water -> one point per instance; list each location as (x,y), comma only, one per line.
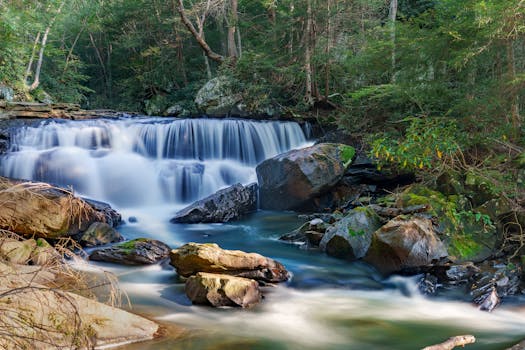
(149,167)
(138,162)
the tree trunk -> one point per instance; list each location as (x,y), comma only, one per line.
(32,58)
(514,101)
(392,14)
(202,43)
(308,97)
(232,27)
(36,81)
(328,48)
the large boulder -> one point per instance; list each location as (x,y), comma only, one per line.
(350,237)
(192,258)
(35,317)
(100,233)
(41,210)
(140,251)
(216,98)
(224,205)
(6,93)
(222,290)
(292,179)
(404,243)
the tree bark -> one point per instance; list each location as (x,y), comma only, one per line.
(232,28)
(392,14)
(308,97)
(32,58)
(451,343)
(514,101)
(202,43)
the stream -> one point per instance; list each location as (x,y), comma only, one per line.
(148,168)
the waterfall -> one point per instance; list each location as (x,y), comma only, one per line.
(147,161)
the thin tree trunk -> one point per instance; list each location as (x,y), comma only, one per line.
(239,43)
(101,61)
(70,52)
(328,49)
(232,27)
(36,81)
(202,43)
(308,97)
(392,14)
(32,58)
(514,101)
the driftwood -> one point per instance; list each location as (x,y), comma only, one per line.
(451,343)
(393,212)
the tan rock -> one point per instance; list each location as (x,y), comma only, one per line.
(37,209)
(222,290)
(15,251)
(36,317)
(194,257)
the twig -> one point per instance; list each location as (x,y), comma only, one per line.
(452,342)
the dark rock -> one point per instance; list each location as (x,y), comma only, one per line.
(488,301)
(113,218)
(309,233)
(140,251)
(223,206)
(222,290)
(404,243)
(100,233)
(291,180)
(350,237)
(132,219)
(209,257)
(428,284)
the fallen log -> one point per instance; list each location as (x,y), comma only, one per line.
(452,342)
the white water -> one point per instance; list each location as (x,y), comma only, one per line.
(147,162)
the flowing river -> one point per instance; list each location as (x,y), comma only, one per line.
(148,168)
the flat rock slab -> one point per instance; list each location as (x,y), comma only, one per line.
(192,258)
(140,251)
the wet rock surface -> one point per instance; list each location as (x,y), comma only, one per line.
(140,251)
(224,205)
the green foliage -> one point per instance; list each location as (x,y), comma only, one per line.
(354,233)
(347,154)
(426,143)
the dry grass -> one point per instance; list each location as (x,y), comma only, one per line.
(36,307)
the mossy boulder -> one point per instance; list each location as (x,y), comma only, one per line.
(404,244)
(469,234)
(140,251)
(291,180)
(222,290)
(350,237)
(217,97)
(192,258)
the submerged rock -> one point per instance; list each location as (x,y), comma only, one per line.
(404,243)
(292,179)
(192,258)
(100,233)
(224,205)
(140,251)
(350,237)
(222,290)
